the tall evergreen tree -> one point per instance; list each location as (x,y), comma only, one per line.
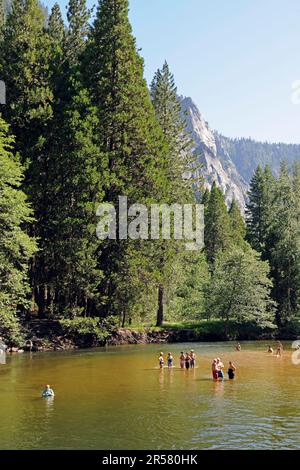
(217,225)
(169,115)
(24,66)
(78,27)
(205,197)
(70,261)
(133,149)
(56,27)
(260,210)
(237,224)
(285,256)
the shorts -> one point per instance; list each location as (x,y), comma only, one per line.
(215,374)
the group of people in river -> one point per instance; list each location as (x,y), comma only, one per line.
(217,370)
(188,361)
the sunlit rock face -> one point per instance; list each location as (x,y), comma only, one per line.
(216,163)
(232,162)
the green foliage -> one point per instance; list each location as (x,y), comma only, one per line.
(88,331)
(260,209)
(237,225)
(217,225)
(134,152)
(187,300)
(240,288)
(16,247)
(274,229)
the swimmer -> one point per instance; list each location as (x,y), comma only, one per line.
(231,371)
(170,360)
(182,360)
(270,350)
(192,359)
(48,392)
(220,366)
(214,369)
(161,360)
(238,347)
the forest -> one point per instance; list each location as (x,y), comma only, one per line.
(80,127)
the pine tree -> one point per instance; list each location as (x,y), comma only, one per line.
(24,66)
(285,256)
(133,149)
(205,198)
(237,224)
(16,247)
(169,115)
(217,225)
(260,210)
(56,27)
(72,276)
(78,28)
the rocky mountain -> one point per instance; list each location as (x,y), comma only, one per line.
(231,162)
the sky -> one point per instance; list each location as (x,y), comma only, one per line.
(237,59)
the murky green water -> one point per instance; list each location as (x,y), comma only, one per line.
(118,399)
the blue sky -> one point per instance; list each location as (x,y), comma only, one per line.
(237,59)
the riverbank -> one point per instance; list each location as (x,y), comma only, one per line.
(52,335)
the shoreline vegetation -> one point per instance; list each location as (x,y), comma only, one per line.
(55,335)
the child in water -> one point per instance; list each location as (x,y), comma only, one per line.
(231,371)
(48,392)
(182,360)
(170,360)
(161,360)
(270,350)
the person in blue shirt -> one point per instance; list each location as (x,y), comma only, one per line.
(48,392)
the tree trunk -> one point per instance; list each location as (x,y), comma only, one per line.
(160,310)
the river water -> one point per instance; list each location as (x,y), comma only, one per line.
(117,398)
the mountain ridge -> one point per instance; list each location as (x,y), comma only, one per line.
(231,162)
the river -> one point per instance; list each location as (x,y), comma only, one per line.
(117,398)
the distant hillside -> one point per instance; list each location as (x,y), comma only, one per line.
(247,154)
